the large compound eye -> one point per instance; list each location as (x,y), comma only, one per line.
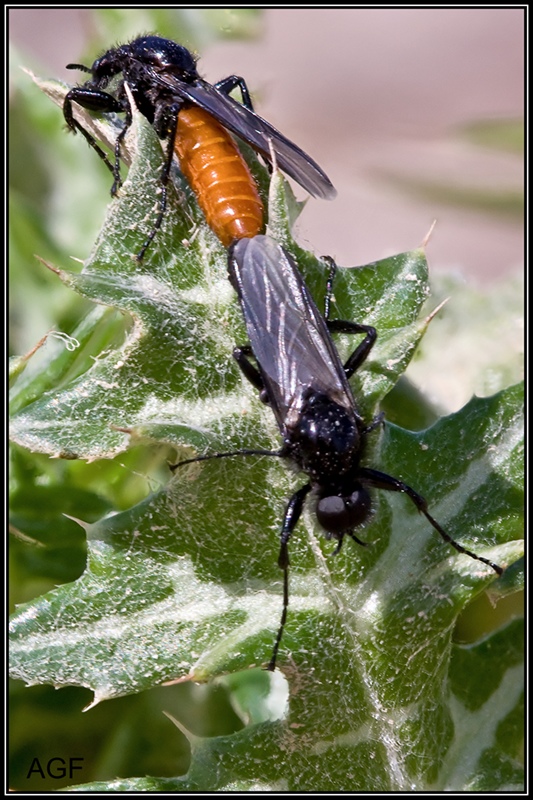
(338,514)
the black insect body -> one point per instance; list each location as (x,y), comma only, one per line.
(193,117)
(299,374)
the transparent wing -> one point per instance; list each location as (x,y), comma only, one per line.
(288,335)
(255,130)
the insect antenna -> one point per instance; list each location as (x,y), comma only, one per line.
(459,547)
(243,452)
(421,504)
(380,480)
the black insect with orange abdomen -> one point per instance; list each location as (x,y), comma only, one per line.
(194,117)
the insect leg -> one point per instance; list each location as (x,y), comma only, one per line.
(128,119)
(226,85)
(290,518)
(376,422)
(329,285)
(380,480)
(360,354)
(92,100)
(170,134)
(250,371)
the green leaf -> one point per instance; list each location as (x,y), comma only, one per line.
(473,360)
(184,584)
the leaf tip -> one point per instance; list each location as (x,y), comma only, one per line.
(81,523)
(427,237)
(47,264)
(435,311)
(191,738)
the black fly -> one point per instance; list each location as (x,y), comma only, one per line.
(299,374)
(163,80)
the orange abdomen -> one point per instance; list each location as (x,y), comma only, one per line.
(218,175)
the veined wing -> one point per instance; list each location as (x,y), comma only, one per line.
(255,130)
(288,335)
